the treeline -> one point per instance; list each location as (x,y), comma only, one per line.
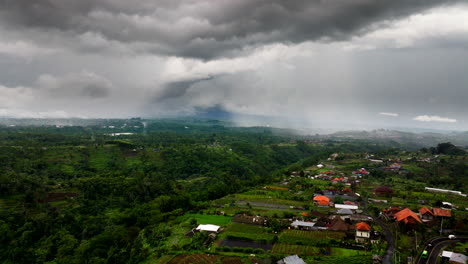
(123,193)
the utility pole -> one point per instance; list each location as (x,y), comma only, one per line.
(441,222)
(416,235)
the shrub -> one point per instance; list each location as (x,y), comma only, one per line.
(259,251)
(237,249)
(248,250)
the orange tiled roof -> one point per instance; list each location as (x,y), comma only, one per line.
(407,216)
(442,212)
(323,202)
(362,226)
(424,210)
(321,198)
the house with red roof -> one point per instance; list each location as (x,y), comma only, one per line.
(363,232)
(442,212)
(322,201)
(391,211)
(408,217)
(426,214)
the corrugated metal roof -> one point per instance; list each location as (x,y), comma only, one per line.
(302,223)
(293,260)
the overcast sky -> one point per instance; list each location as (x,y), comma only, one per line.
(338,63)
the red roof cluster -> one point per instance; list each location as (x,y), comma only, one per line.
(339,179)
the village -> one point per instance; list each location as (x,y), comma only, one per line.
(336,209)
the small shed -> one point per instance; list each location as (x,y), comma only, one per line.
(208,228)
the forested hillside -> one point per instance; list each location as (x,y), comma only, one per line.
(82,195)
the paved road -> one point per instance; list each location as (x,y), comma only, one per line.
(387,257)
(438,244)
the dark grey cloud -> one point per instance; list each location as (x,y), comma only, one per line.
(206,29)
(176,89)
(84,84)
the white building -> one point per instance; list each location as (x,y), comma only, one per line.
(208,228)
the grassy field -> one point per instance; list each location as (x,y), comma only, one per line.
(250,232)
(211,219)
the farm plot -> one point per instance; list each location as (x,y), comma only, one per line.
(248,232)
(164,259)
(195,259)
(231,260)
(310,238)
(211,219)
(284,248)
(244,244)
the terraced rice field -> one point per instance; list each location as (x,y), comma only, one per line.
(195,259)
(290,249)
(309,237)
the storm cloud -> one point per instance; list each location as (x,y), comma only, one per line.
(201,29)
(320,63)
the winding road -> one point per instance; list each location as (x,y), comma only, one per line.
(437,244)
(387,257)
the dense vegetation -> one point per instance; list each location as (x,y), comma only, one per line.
(80,195)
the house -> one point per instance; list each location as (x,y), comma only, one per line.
(376,200)
(346,206)
(426,214)
(392,210)
(361,172)
(295,259)
(360,218)
(383,190)
(208,228)
(447,205)
(442,212)
(344,211)
(458,258)
(316,214)
(249,219)
(453,257)
(363,232)
(338,224)
(321,200)
(303,225)
(407,216)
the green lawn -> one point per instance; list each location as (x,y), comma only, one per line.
(250,232)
